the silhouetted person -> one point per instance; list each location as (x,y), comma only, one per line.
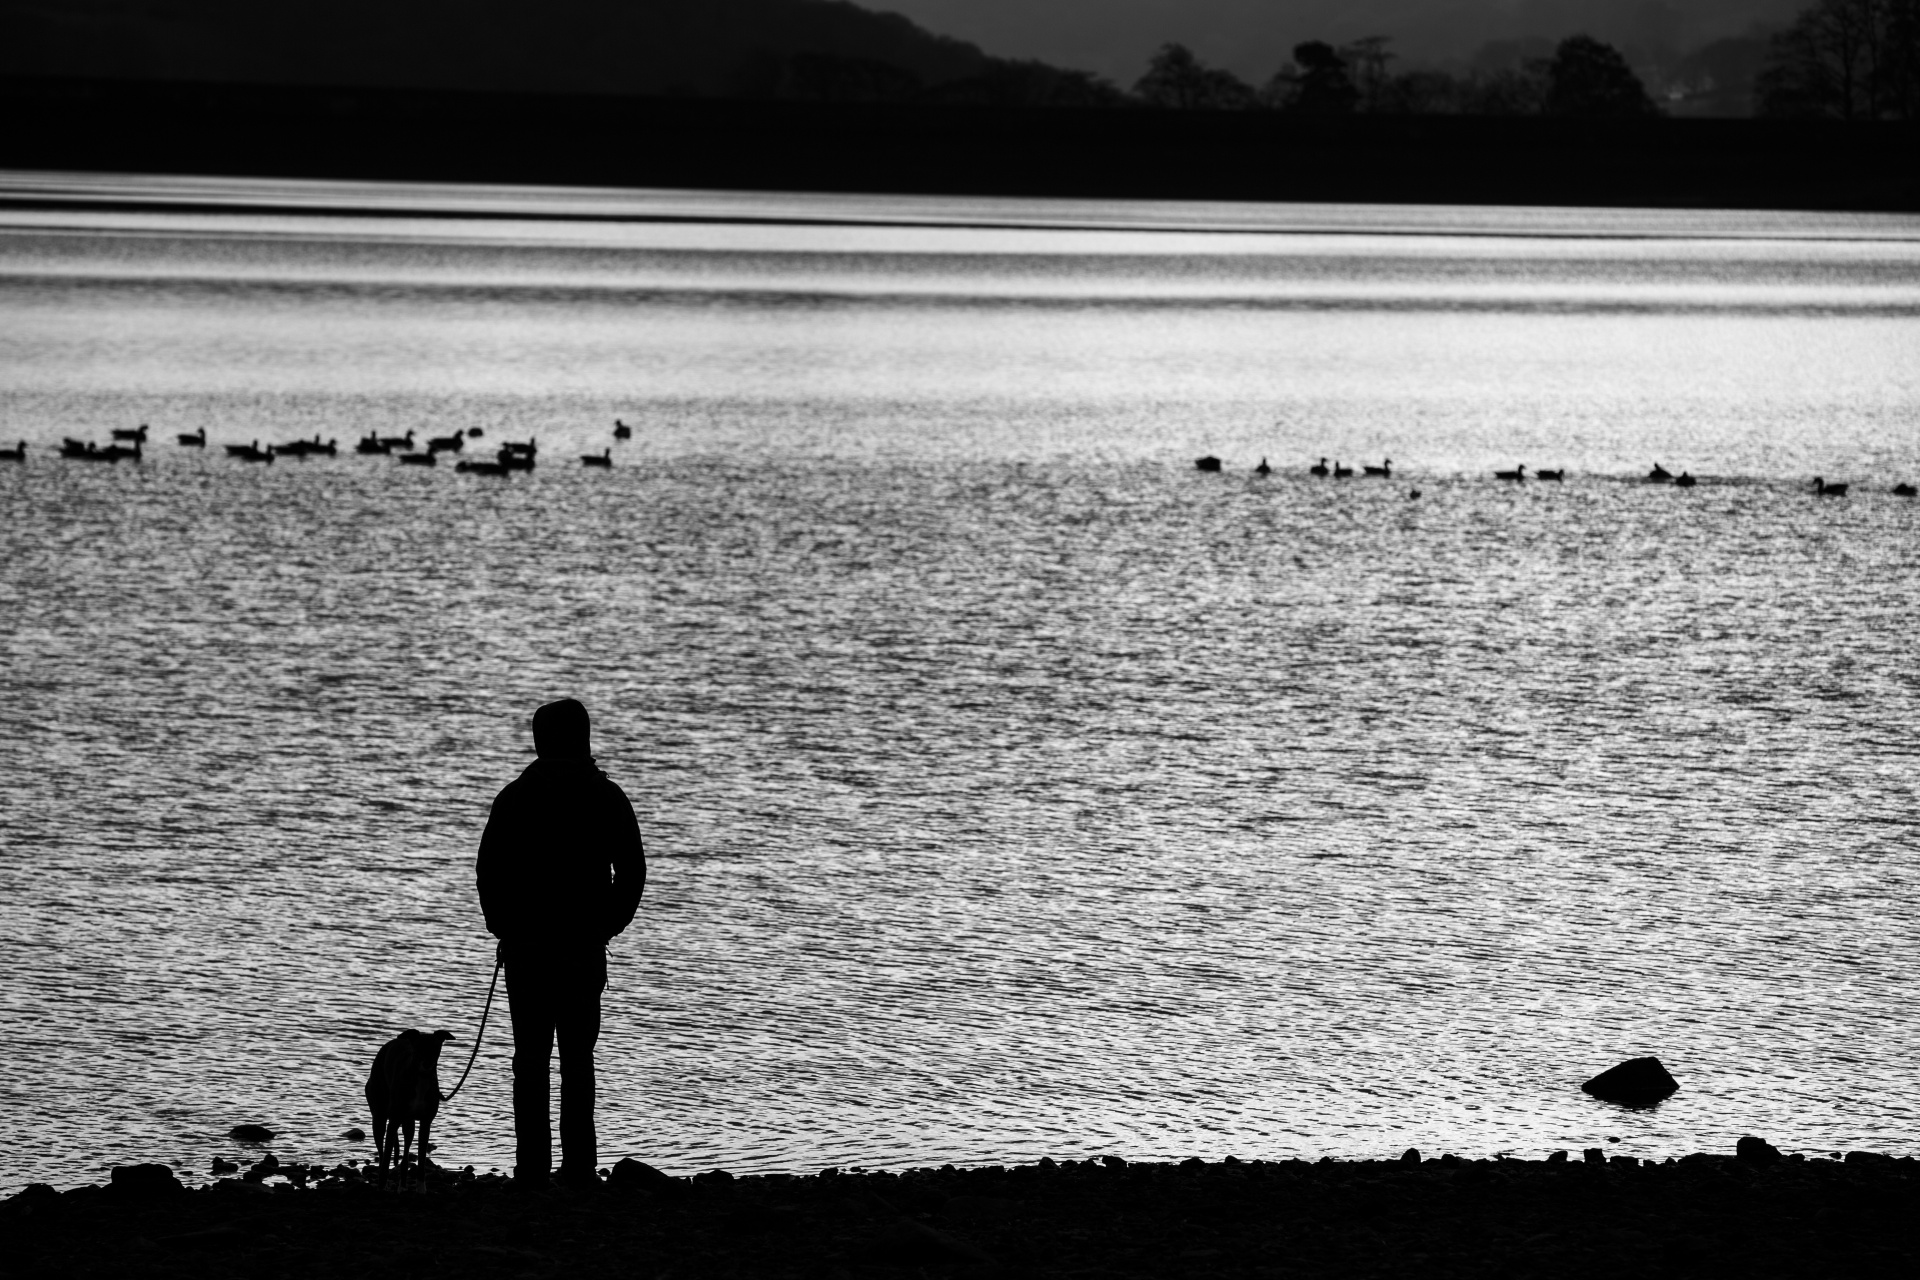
(560,873)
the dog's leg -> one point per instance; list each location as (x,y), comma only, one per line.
(406,1127)
(389,1134)
(426,1126)
(380,1143)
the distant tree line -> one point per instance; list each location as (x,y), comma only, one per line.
(1584,77)
(1845,60)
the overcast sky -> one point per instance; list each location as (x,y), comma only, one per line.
(1252,37)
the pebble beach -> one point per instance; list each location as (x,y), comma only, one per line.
(1577,1214)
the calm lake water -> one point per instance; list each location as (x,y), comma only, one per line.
(1011,788)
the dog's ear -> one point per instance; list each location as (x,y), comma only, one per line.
(443,1036)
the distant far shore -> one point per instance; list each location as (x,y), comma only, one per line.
(406,135)
(1591,1216)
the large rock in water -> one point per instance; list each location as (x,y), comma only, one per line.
(1637,1082)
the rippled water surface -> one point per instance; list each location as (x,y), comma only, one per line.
(1011,788)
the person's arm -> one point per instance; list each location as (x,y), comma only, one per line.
(629,860)
(494,868)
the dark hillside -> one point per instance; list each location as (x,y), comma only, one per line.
(656,47)
(955,150)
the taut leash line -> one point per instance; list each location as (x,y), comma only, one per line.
(499,960)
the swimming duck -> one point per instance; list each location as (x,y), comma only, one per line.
(1550,475)
(1384,469)
(1318,469)
(1685,480)
(1340,472)
(597,459)
(16,454)
(1263,469)
(1659,475)
(1903,489)
(1518,473)
(137,434)
(419,459)
(621,431)
(193,439)
(1826,490)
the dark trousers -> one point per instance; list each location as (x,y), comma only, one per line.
(554,995)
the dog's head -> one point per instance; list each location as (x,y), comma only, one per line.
(428,1043)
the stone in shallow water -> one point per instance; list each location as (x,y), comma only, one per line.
(1637,1082)
(250,1133)
(1756,1150)
(637,1174)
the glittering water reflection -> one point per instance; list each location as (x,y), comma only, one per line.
(1013,789)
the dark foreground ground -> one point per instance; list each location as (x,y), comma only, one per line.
(293,131)
(1702,1216)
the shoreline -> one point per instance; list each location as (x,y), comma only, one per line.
(1756,1213)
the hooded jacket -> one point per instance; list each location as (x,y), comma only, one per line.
(561,865)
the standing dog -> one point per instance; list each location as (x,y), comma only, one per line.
(403,1089)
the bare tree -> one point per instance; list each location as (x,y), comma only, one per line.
(1851,59)
(1177,79)
(1366,61)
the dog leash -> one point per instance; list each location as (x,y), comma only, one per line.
(499,960)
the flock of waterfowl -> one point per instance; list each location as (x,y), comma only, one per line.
(521,455)
(513,455)
(1659,475)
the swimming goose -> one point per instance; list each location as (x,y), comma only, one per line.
(527,446)
(597,459)
(250,452)
(1903,489)
(1340,472)
(1518,473)
(453,443)
(1551,475)
(621,431)
(474,466)
(419,459)
(1318,469)
(1659,475)
(16,454)
(193,439)
(138,434)
(371,443)
(1384,469)
(1685,480)
(1263,469)
(1208,463)
(1826,490)
(397,442)
(115,452)
(515,460)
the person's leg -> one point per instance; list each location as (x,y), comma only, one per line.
(531,1005)
(578,1027)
